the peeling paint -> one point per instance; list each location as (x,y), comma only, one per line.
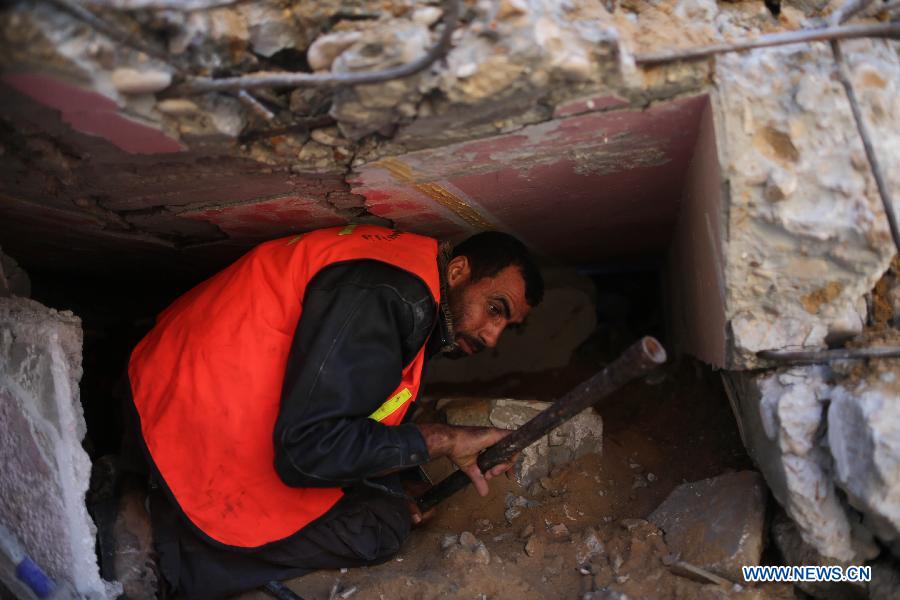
(93,114)
(267,219)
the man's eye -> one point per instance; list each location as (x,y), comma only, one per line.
(493,310)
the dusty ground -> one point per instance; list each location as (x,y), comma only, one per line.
(657,436)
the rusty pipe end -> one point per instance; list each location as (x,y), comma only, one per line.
(653,350)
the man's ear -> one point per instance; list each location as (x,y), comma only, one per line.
(458,270)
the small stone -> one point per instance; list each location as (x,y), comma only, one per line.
(426,16)
(630,524)
(466,70)
(534,545)
(559,531)
(328,136)
(512,513)
(177,107)
(328,47)
(639,482)
(482,525)
(511,8)
(449,541)
(481,556)
(132,81)
(651,477)
(780,185)
(468,540)
(588,546)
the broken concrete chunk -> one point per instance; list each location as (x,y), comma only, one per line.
(467,549)
(864,440)
(46,471)
(133,81)
(575,438)
(589,546)
(327,47)
(270,31)
(716,523)
(534,545)
(559,531)
(796,552)
(177,107)
(427,15)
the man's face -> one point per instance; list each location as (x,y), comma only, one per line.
(482,309)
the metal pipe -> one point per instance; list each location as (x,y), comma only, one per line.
(111,31)
(775,39)
(812,357)
(642,357)
(202,85)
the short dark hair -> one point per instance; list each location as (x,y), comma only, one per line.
(492,251)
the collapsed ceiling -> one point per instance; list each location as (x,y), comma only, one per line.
(83,185)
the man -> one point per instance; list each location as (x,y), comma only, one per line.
(273,399)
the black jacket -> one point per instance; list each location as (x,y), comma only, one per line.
(362,323)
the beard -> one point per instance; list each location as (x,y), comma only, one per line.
(455,303)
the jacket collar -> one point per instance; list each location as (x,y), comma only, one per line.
(443,338)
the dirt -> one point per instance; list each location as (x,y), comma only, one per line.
(657,436)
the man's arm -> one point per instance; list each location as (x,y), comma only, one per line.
(362,322)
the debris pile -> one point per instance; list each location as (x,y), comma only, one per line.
(582,435)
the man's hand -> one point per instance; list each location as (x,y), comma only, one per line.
(462,445)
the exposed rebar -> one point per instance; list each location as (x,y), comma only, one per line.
(812,357)
(847,10)
(863,129)
(179,5)
(775,39)
(113,32)
(255,106)
(202,85)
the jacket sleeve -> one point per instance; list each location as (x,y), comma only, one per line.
(358,327)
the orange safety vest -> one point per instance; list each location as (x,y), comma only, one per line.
(207,381)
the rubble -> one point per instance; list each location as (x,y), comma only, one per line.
(717,524)
(467,549)
(864,442)
(579,436)
(795,551)
(46,472)
(812,430)
(794,268)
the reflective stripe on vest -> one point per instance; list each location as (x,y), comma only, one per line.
(207,381)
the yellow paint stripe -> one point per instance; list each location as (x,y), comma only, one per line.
(348,229)
(436,192)
(393,403)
